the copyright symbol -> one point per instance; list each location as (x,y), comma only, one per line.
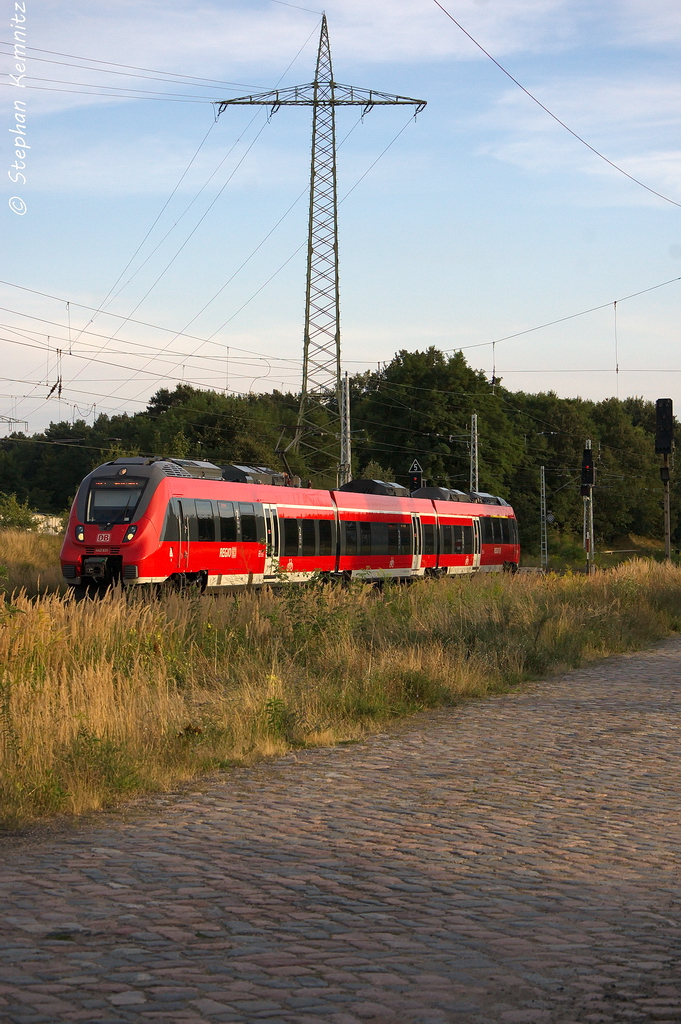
(17,205)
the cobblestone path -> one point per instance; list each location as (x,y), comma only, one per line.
(510,860)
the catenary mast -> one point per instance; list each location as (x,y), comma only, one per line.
(321,383)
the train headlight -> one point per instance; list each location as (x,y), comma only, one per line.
(80,533)
(130,532)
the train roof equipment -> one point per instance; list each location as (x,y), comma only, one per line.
(253,475)
(390,488)
(483,498)
(440,494)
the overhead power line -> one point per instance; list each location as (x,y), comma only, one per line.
(178,251)
(563,319)
(113,89)
(133,67)
(296,7)
(555,117)
(119,316)
(124,74)
(170,98)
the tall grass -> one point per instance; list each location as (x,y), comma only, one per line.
(32,562)
(103,699)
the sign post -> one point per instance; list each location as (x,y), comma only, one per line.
(664,445)
(543,533)
(587,492)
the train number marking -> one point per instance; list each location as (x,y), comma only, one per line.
(103,538)
(228,552)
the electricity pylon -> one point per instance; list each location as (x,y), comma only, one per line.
(321,382)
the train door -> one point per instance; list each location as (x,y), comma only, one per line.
(417,543)
(271,540)
(183,509)
(476,543)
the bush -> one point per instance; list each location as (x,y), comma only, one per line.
(14,515)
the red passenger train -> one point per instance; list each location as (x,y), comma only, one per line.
(145,521)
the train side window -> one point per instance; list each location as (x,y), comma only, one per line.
(351,538)
(189,516)
(365,538)
(514,531)
(259,523)
(308,536)
(171,526)
(406,536)
(379,539)
(249,529)
(205,520)
(325,538)
(428,539)
(505,531)
(447,546)
(393,539)
(468,540)
(458,539)
(290,537)
(497,530)
(227,521)
(486,532)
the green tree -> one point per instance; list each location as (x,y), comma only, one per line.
(15,515)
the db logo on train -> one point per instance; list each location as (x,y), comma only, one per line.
(103,538)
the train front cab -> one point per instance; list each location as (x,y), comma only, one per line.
(108,521)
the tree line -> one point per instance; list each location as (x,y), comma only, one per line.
(418,406)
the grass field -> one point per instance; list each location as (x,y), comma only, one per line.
(102,700)
(32,562)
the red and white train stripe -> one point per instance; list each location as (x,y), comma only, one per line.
(145,521)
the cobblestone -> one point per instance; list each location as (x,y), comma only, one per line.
(511,860)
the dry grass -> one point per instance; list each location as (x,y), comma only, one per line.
(100,700)
(32,562)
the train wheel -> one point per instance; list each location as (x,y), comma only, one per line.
(189,582)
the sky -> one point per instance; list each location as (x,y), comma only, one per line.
(146,243)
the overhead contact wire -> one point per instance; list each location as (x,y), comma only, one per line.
(539,103)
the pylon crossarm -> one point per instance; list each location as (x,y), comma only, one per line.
(337,96)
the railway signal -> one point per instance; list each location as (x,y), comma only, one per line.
(664,426)
(588,471)
(415,476)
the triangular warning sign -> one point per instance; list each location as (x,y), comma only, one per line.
(415,467)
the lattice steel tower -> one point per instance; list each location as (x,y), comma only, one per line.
(321,340)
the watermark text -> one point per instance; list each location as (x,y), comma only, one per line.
(16,172)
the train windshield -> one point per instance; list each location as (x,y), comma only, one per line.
(113,501)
